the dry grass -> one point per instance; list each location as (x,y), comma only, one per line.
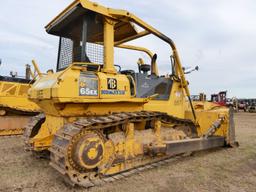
(214,170)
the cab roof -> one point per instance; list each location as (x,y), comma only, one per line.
(123,28)
(124,31)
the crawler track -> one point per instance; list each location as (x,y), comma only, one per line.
(32,128)
(63,139)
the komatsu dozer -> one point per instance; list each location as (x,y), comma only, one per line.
(15,108)
(102,123)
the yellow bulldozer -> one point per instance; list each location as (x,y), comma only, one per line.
(102,123)
(15,108)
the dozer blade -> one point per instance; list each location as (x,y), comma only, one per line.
(231,138)
(13,125)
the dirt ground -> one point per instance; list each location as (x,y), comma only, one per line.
(229,169)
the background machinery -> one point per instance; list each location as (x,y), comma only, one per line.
(200,97)
(15,108)
(252,108)
(103,123)
(220,98)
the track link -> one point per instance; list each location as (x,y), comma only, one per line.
(63,139)
(31,129)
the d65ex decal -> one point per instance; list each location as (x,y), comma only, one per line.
(88,85)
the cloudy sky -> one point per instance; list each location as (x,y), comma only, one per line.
(218,36)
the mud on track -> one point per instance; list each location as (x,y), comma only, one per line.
(214,170)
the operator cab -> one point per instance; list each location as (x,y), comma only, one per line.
(81,35)
(82,42)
